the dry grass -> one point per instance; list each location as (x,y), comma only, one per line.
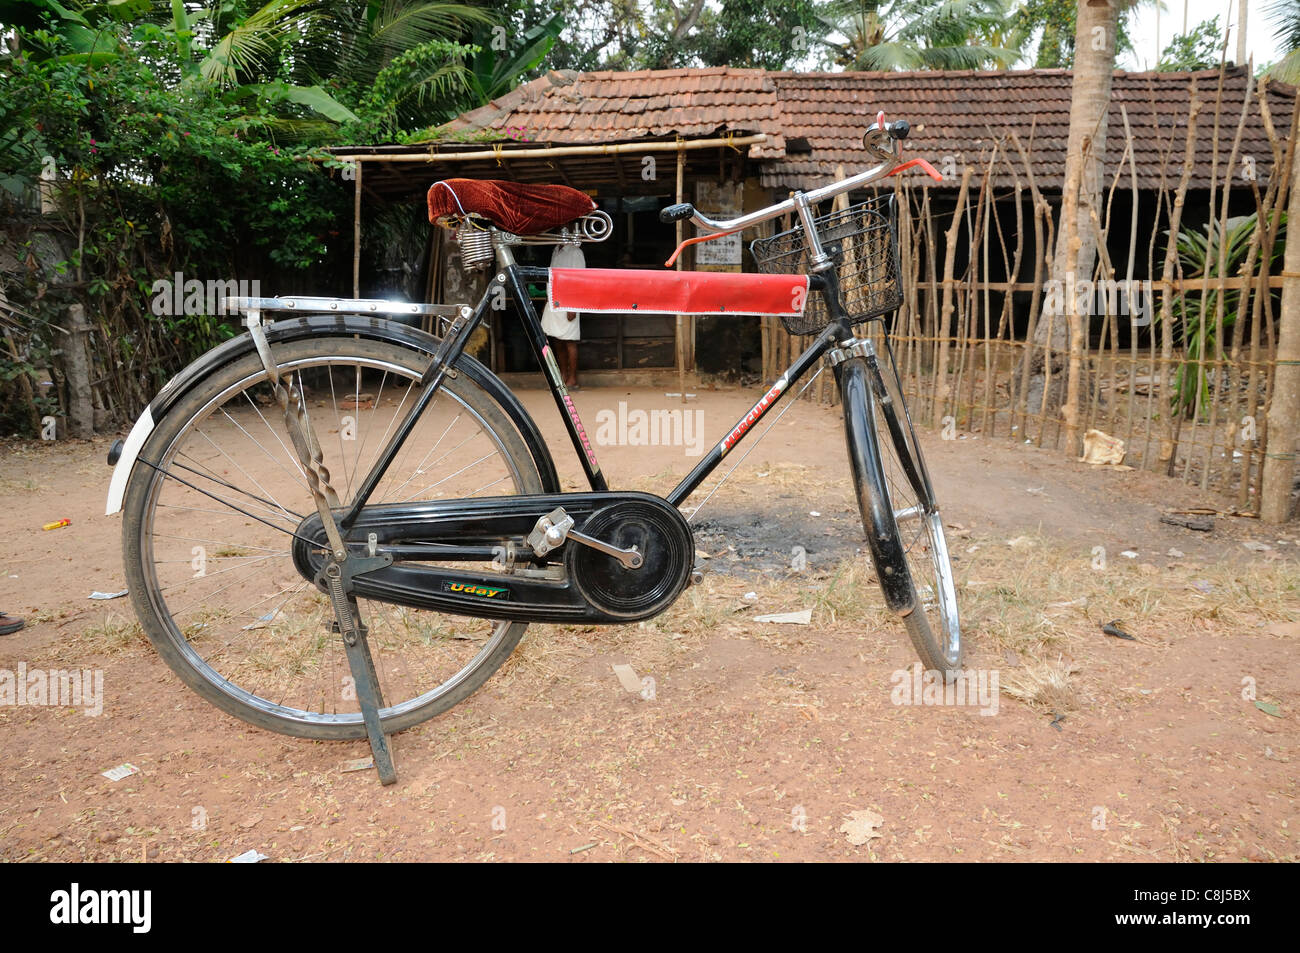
(1044,686)
(1039,604)
(9,486)
(1033,595)
(1035,606)
(110,636)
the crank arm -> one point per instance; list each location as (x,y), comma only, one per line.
(557,526)
(630,558)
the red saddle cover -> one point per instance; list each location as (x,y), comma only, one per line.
(515,206)
(619,290)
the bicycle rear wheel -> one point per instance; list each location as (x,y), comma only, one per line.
(899,512)
(213,503)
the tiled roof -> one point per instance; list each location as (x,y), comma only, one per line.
(567,107)
(815,121)
(958,114)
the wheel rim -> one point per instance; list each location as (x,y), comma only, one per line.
(286,628)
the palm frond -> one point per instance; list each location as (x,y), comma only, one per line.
(1287,69)
(403,24)
(251,45)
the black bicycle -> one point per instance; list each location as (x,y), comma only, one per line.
(338,526)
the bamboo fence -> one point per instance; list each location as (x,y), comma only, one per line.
(975,284)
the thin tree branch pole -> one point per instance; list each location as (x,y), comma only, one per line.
(1074,321)
(356,236)
(1284,408)
(1220,296)
(1168,452)
(1042,220)
(945,314)
(1128,276)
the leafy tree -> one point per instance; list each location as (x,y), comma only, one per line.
(500,64)
(1285,15)
(1054,22)
(661,34)
(748,34)
(1200,49)
(919,34)
(147,176)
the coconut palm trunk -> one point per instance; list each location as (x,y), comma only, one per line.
(1278,484)
(1057,371)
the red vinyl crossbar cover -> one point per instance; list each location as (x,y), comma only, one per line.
(619,290)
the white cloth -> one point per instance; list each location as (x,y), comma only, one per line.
(555,323)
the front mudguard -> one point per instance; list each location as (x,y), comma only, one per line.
(873,497)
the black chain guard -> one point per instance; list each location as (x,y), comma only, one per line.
(595,587)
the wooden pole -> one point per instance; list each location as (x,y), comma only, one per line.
(945,313)
(76,367)
(356,235)
(681,319)
(1169,448)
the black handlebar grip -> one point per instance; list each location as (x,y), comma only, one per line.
(675,213)
(898,129)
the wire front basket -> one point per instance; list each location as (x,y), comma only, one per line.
(862,241)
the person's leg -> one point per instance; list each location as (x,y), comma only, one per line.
(10,624)
(557,352)
(571,359)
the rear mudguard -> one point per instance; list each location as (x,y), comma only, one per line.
(315,326)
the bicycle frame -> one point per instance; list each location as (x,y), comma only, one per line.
(513,279)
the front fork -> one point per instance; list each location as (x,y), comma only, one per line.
(858,374)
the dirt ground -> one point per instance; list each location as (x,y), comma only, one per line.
(759,741)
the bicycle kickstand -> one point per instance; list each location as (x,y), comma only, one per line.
(336,576)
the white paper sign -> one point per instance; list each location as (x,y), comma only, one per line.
(720,201)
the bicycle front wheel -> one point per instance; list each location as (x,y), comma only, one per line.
(218,492)
(900,514)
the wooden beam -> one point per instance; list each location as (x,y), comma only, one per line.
(1176,286)
(551,153)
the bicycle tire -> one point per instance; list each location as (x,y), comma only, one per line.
(177,647)
(876,434)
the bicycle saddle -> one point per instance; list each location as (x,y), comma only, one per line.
(514,206)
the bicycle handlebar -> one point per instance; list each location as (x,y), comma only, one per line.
(880,140)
